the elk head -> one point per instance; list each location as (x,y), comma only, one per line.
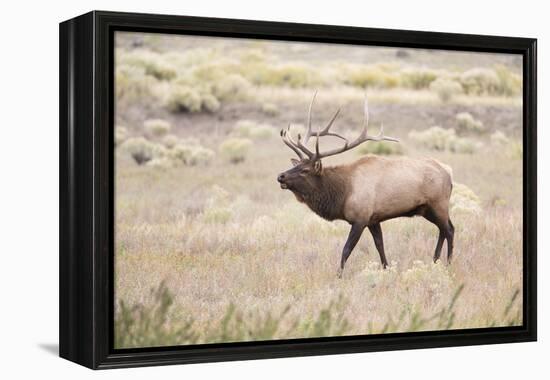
(305,175)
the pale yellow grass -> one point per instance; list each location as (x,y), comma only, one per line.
(227,234)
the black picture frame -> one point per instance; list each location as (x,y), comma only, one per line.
(87,202)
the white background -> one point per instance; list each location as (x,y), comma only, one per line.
(29,187)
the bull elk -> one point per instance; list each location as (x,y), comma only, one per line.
(370,190)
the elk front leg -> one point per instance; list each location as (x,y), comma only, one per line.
(353,238)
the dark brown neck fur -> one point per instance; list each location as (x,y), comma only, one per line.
(328,197)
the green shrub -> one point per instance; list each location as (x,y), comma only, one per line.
(418,78)
(466,122)
(154,323)
(480,81)
(142,150)
(151,324)
(381,148)
(464,200)
(445,89)
(157,127)
(235,150)
(147,325)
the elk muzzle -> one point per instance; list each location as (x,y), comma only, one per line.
(281,178)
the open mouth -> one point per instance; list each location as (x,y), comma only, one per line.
(284,186)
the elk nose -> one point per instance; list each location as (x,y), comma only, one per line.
(281,177)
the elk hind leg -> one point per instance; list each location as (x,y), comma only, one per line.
(439,245)
(450,240)
(440,217)
(376,232)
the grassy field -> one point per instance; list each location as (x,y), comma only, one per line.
(210,249)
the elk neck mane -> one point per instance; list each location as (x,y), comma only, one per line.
(328,196)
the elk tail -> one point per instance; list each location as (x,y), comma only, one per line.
(448,169)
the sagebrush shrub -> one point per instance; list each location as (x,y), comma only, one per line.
(132,84)
(153,64)
(253,130)
(184,99)
(121,133)
(434,138)
(142,150)
(445,89)
(170,141)
(162,163)
(499,138)
(441,139)
(157,127)
(515,150)
(235,150)
(418,78)
(466,122)
(191,155)
(511,148)
(462,145)
(480,81)
(464,200)
(209,103)
(380,147)
(270,109)
(231,87)
(295,75)
(201,156)
(510,83)
(370,76)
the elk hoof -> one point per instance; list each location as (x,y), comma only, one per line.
(339,273)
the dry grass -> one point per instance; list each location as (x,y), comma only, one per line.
(252,245)
(240,259)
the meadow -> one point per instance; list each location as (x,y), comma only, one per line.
(208,248)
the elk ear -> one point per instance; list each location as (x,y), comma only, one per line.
(294,161)
(317,167)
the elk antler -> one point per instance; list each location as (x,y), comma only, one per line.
(287,139)
(302,146)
